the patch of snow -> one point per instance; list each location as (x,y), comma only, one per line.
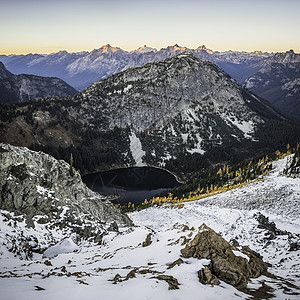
(246,127)
(249,83)
(184,137)
(291,84)
(171,128)
(65,246)
(43,191)
(136,149)
(127,88)
(239,253)
(198,146)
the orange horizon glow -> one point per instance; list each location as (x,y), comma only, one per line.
(46,51)
(45,27)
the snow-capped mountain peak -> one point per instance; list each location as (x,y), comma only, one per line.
(144,49)
(109,48)
(174,48)
(62,52)
(203,48)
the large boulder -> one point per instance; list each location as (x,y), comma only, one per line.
(230,264)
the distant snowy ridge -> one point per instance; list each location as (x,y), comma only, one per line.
(83,68)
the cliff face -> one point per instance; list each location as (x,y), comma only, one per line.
(34,183)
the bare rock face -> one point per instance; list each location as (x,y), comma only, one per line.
(34,183)
(228,263)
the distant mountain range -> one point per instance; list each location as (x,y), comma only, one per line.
(273,76)
(181,113)
(19,88)
(83,68)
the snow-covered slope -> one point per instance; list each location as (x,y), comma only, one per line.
(137,263)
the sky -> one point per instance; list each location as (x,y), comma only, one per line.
(46,26)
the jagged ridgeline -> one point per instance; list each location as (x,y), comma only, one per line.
(182,114)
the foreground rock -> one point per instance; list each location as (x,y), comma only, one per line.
(230,264)
(42,190)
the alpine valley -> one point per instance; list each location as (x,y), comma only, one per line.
(183,114)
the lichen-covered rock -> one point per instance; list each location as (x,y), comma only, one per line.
(34,183)
(228,263)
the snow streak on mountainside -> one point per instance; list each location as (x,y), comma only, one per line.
(146,261)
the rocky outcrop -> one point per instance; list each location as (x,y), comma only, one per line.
(172,282)
(230,264)
(34,183)
(147,241)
